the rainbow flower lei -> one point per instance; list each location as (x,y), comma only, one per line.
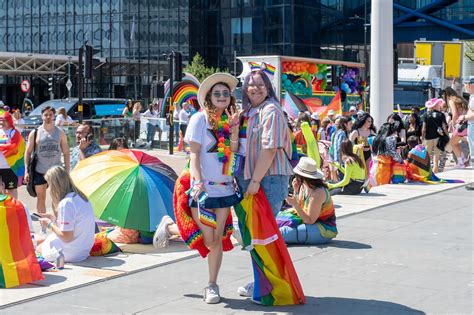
(223,138)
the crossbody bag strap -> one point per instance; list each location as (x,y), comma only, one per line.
(34,139)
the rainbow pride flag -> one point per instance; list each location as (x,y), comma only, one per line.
(276,281)
(254,66)
(268,69)
(418,167)
(18,262)
(13,149)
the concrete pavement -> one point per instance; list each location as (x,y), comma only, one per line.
(405,258)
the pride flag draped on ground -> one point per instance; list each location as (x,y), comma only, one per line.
(276,281)
(418,167)
(18,263)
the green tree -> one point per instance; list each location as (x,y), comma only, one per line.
(198,68)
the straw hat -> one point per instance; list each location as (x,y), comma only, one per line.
(212,80)
(306,167)
(434,102)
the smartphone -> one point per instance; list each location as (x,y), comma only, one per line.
(35,216)
(202,197)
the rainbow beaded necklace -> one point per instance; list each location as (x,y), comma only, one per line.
(223,138)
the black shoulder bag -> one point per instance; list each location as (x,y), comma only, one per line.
(30,186)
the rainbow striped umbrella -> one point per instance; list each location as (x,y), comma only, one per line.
(128,188)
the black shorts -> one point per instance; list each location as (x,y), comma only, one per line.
(38,179)
(9,178)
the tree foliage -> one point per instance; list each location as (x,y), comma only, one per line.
(198,68)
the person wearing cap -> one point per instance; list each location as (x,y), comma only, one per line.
(434,127)
(311,219)
(331,114)
(215,127)
(12,151)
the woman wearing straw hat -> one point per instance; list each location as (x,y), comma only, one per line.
(209,135)
(312,219)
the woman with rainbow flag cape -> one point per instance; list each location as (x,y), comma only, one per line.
(18,263)
(311,218)
(265,142)
(211,135)
(12,148)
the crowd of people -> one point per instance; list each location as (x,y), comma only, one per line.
(260,135)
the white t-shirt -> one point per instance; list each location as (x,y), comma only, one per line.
(74,214)
(183,117)
(200,131)
(60,120)
(154,121)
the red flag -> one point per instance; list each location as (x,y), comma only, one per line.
(335,105)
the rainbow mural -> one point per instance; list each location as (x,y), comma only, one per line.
(184,91)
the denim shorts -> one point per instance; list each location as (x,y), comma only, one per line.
(274,186)
(217,202)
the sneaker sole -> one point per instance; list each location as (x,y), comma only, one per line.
(212,301)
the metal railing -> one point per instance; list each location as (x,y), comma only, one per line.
(107,129)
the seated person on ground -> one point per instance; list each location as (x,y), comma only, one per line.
(311,218)
(354,172)
(73,230)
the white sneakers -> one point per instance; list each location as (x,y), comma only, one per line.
(246,291)
(161,237)
(211,294)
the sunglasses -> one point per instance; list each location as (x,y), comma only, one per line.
(218,94)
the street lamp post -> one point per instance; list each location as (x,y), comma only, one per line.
(366,25)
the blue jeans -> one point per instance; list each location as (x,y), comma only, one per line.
(274,186)
(308,234)
(150,132)
(176,132)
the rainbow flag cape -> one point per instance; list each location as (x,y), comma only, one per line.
(18,263)
(14,151)
(188,228)
(418,167)
(276,281)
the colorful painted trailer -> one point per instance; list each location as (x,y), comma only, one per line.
(317,80)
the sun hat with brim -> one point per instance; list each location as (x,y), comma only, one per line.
(315,116)
(212,80)
(434,102)
(306,167)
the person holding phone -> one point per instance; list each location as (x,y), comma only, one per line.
(311,219)
(86,145)
(210,135)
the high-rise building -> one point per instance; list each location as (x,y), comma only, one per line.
(131,36)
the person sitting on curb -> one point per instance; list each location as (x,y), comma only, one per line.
(72,233)
(86,145)
(354,172)
(311,218)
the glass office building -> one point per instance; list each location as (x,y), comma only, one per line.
(130,37)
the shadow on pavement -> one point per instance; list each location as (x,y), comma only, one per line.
(102,261)
(336,244)
(49,279)
(345,244)
(326,305)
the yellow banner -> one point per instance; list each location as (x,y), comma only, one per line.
(423,53)
(452,60)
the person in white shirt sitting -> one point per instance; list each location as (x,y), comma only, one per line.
(73,225)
